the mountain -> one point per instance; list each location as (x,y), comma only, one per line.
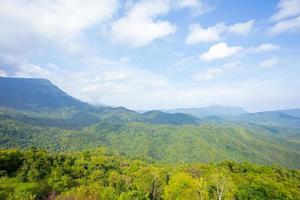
(159,117)
(34,94)
(35,113)
(209,111)
(271,118)
(62,110)
(292,112)
(164,142)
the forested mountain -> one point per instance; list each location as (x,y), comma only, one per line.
(160,117)
(36,114)
(34,94)
(53,107)
(209,111)
(271,118)
(206,142)
(51,119)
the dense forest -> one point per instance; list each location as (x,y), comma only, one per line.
(188,143)
(97,174)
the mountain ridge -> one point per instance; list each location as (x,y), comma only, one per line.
(263,137)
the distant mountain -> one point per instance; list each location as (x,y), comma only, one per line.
(34,94)
(292,112)
(62,110)
(209,111)
(269,118)
(64,123)
(159,117)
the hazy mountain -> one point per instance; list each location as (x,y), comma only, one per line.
(60,109)
(292,112)
(271,118)
(65,123)
(34,94)
(217,110)
(160,117)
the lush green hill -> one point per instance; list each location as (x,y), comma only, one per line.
(168,143)
(159,117)
(63,123)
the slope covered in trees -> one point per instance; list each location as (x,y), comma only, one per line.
(95,174)
(207,142)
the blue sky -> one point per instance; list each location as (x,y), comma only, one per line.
(159,53)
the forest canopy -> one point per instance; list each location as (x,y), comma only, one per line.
(96,174)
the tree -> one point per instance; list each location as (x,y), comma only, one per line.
(221,183)
(183,187)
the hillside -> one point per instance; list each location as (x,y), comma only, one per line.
(168,143)
(63,123)
(34,94)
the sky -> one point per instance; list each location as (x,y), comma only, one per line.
(154,54)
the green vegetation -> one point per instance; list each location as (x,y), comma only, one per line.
(96,174)
(207,142)
(116,153)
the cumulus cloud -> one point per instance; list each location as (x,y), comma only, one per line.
(59,20)
(287,8)
(15,66)
(242,28)
(289,25)
(269,63)
(220,51)
(140,25)
(216,72)
(198,34)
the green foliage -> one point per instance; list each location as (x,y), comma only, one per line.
(183,187)
(10,161)
(97,175)
(168,143)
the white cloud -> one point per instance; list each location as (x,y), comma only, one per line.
(14,66)
(287,8)
(2,73)
(140,26)
(269,63)
(60,19)
(197,6)
(242,28)
(289,25)
(266,47)
(200,35)
(216,72)
(30,70)
(220,51)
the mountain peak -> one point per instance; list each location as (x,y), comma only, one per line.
(34,94)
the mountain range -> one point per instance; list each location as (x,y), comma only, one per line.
(34,112)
